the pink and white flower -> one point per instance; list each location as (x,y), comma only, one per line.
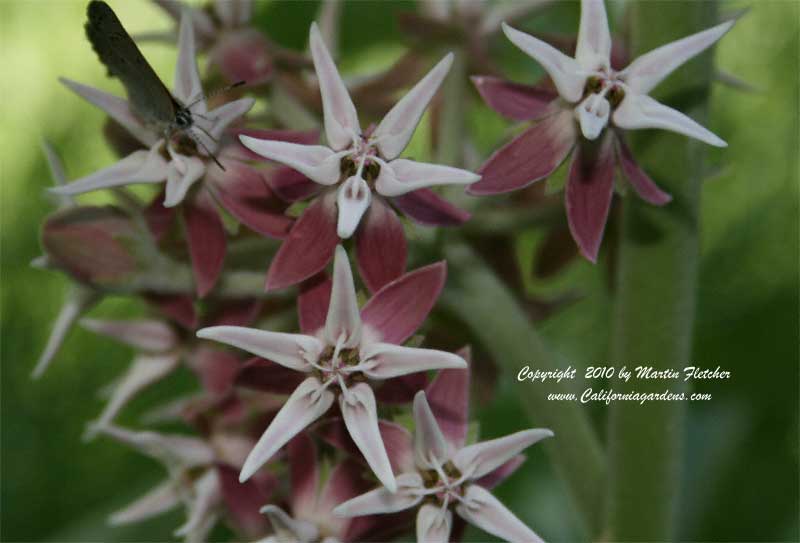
(592,105)
(344,357)
(358,171)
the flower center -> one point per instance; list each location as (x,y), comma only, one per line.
(444,484)
(602,94)
(338,367)
(363,161)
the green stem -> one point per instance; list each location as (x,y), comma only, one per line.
(656,283)
(478,298)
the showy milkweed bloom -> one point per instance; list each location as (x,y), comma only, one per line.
(358,172)
(439,473)
(592,106)
(344,358)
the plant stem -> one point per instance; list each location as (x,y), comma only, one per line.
(479,299)
(656,283)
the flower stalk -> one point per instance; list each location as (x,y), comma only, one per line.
(656,293)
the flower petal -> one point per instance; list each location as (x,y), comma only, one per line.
(243,55)
(641,182)
(448,398)
(360,415)
(640,111)
(530,157)
(216,369)
(182,173)
(172,449)
(143,372)
(386,360)
(395,130)
(381,246)
(290,350)
(647,71)
(566,73)
(345,481)
(477,460)
(117,108)
(429,209)
(267,376)
(400,307)
(158,500)
(430,446)
(588,196)
(287,528)
(207,495)
(234,13)
(433,524)
(206,237)
(187,87)
(306,404)
(381,500)
(308,247)
(178,307)
(304,474)
(317,162)
(401,176)
(593,50)
(138,167)
(148,335)
(224,115)
(290,185)
(494,478)
(243,501)
(159,218)
(487,513)
(343,321)
(341,119)
(593,115)
(313,303)
(515,101)
(352,199)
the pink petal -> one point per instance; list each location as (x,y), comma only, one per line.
(187,87)
(304,474)
(313,303)
(138,167)
(217,369)
(482,458)
(382,500)
(287,528)
(588,196)
(343,322)
(381,246)
(205,234)
(352,200)
(235,312)
(243,56)
(567,74)
(515,101)
(395,130)
(345,481)
(241,152)
(530,157)
(386,360)
(267,376)
(308,247)
(290,185)
(317,162)
(206,496)
(639,111)
(400,307)
(487,513)
(183,172)
(221,117)
(494,478)
(433,524)
(650,69)
(594,39)
(117,108)
(179,308)
(172,449)
(304,406)
(159,500)
(247,196)
(641,182)
(397,441)
(401,176)
(341,119)
(159,217)
(243,501)
(290,350)
(448,397)
(147,335)
(361,418)
(401,390)
(430,446)
(428,208)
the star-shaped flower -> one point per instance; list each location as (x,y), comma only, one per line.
(360,170)
(439,474)
(343,358)
(594,103)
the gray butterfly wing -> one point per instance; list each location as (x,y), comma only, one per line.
(148,96)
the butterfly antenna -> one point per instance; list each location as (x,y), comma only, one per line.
(216,93)
(199,142)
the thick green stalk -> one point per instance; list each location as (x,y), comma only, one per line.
(479,299)
(656,283)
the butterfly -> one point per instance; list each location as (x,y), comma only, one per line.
(149,98)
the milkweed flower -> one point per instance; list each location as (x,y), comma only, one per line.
(344,358)
(439,474)
(359,171)
(586,115)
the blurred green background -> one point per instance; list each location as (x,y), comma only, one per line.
(741,477)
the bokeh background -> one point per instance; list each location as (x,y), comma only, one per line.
(741,476)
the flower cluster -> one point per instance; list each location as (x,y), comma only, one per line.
(346,429)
